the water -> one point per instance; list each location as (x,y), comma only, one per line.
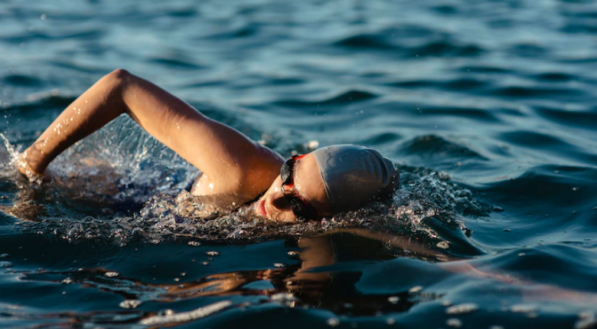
(487,107)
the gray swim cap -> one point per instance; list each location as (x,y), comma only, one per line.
(354,175)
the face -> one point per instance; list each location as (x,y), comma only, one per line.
(308,184)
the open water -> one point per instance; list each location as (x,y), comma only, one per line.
(488,108)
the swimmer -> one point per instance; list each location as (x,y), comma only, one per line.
(235,170)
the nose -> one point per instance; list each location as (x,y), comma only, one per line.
(279,201)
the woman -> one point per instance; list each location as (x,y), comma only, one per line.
(235,170)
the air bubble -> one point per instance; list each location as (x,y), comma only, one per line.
(111,274)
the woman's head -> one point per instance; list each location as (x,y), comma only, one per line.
(328,181)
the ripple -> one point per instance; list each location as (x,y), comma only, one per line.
(40,101)
(533,139)
(446,49)
(365,41)
(566,266)
(28,36)
(531,92)
(348,97)
(380,138)
(528,50)
(22,80)
(175,61)
(436,146)
(544,187)
(462,84)
(484,69)
(575,119)
(240,32)
(554,77)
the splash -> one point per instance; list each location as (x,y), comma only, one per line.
(175,217)
(121,184)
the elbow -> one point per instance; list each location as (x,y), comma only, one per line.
(117,81)
(119,75)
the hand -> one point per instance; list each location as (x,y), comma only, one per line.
(24,168)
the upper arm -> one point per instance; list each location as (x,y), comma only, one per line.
(233,163)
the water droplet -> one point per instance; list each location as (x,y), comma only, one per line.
(4,255)
(166,312)
(205,263)
(213,253)
(293,253)
(462,308)
(575,189)
(333,322)
(67,281)
(176,279)
(456,323)
(130,303)
(279,265)
(111,274)
(393,299)
(446,303)
(390,321)
(415,289)
(194,243)
(521,254)
(443,245)
(523,308)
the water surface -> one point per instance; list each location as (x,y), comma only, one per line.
(487,108)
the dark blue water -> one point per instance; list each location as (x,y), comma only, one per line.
(488,107)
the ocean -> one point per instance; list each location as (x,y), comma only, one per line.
(486,107)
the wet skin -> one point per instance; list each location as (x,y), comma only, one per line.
(308,183)
(235,169)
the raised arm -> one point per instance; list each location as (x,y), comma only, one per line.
(232,164)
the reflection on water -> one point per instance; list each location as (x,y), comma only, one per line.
(312,281)
(487,108)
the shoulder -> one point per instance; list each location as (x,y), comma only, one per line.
(244,182)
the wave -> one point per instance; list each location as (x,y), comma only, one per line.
(436,146)
(40,101)
(347,97)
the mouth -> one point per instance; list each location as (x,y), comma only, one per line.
(261,208)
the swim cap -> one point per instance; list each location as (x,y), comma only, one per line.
(354,175)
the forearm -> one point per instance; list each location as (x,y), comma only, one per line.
(96,107)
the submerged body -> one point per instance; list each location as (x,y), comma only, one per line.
(235,170)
